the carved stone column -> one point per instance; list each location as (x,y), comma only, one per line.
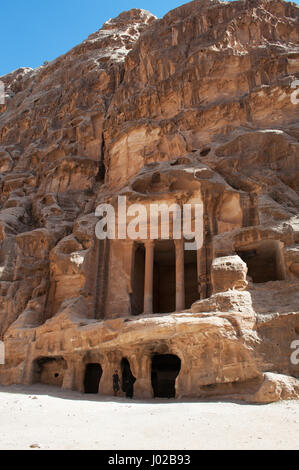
(149,276)
(110,364)
(180,275)
(78,374)
(129,262)
(69,376)
(140,363)
(199,274)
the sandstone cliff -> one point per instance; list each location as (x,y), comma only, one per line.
(195,106)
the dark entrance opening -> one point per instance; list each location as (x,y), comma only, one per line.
(93,374)
(137,297)
(264,261)
(164,277)
(49,370)
(191,284)
(165,369)
(128,378)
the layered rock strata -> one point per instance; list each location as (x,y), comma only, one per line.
(196,108)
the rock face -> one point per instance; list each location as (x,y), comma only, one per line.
(194,108)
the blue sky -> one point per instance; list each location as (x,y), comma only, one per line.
(33,31)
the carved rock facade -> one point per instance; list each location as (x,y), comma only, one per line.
(192,108)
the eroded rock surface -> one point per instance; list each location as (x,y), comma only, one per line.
(193,108)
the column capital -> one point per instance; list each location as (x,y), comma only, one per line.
(180,242)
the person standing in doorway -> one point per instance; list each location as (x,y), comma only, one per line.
(116,382)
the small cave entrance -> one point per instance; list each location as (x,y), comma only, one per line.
(191,283)
(264,261)
(100,177)
(165,369)
(49,370)
(164,295)
(93,374)
(128,378)
(137,296)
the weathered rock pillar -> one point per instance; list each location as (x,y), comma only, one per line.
(180,275)
(69,376)
(28,372)
(110,364)
(149,275)
(78,374)
(141,369)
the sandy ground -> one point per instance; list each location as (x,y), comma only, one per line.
(47,418)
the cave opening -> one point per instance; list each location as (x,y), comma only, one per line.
(137,296)
(264,261)
(128,378)
(164,282)
(165,369)
(49,370)
(191,282)
(100,177)
(93,374)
